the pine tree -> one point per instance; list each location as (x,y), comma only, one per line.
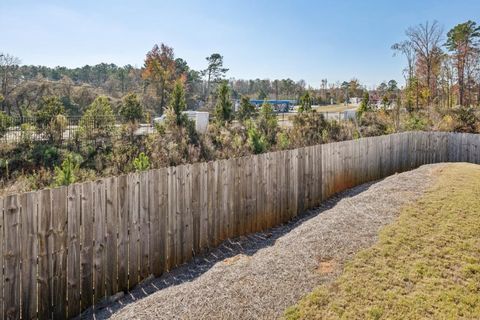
(246,110)
(178,104)
(223,108)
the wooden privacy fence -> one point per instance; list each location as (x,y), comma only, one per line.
(65,249)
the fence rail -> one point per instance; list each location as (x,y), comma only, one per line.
(65,249)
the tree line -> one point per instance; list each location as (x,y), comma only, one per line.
(442,69)
(23,86)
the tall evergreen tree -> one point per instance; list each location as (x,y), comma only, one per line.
(178,103)
(463,41)
(305,102)
(246,109)
(214,72)
(223,108)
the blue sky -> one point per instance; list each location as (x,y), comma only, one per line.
(309,40)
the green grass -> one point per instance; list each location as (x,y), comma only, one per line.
(426,265)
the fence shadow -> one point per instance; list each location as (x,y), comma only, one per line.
(202,262)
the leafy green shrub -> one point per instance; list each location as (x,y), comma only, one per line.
(376,123)
(142,162)
(50,119)
(46,155)
(176,140)
(415,122)
(283,141)
(364,105)
(5,167)
(468,121)
(40,179)
(49,108)
(177,104)
(256,140)
(65,174)
(223,107)
(56,128)
(267,123)
(98,121)
(5,123)
(131,109)
(246,110)
(26,134)
(305,102)
(308,128)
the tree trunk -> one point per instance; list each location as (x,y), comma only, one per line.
(207,98)
(416,95)
(428,82)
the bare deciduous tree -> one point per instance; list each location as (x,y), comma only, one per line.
(406,48)
(8,78)
(426,40)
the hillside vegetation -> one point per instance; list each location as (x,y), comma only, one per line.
(425,265)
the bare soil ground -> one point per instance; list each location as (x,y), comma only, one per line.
(260,275)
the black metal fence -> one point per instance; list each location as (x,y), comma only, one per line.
(71,129)
(60,130)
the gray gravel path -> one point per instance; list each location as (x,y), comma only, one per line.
(259,276)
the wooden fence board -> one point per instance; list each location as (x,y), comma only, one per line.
(231,197)
(294,182)
(272,190)
(318,174)
(179,214)
(204,192)
(111,276)
(221,208)
(86,253)
(134,229)
(154,212)
(143,227)
(59,253)
(99,241)
(123,237)
(171,221)
(74,211)
(163,216)
(260,159)
(12,256)
(187,217)
(288,185)
(241,193)
(301,180)
(246,195)
(281,187)
(195,206)
(249,168)
(237,200)
(28,237)
(44,254)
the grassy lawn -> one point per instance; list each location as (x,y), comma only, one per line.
(425,265)
(334,108)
